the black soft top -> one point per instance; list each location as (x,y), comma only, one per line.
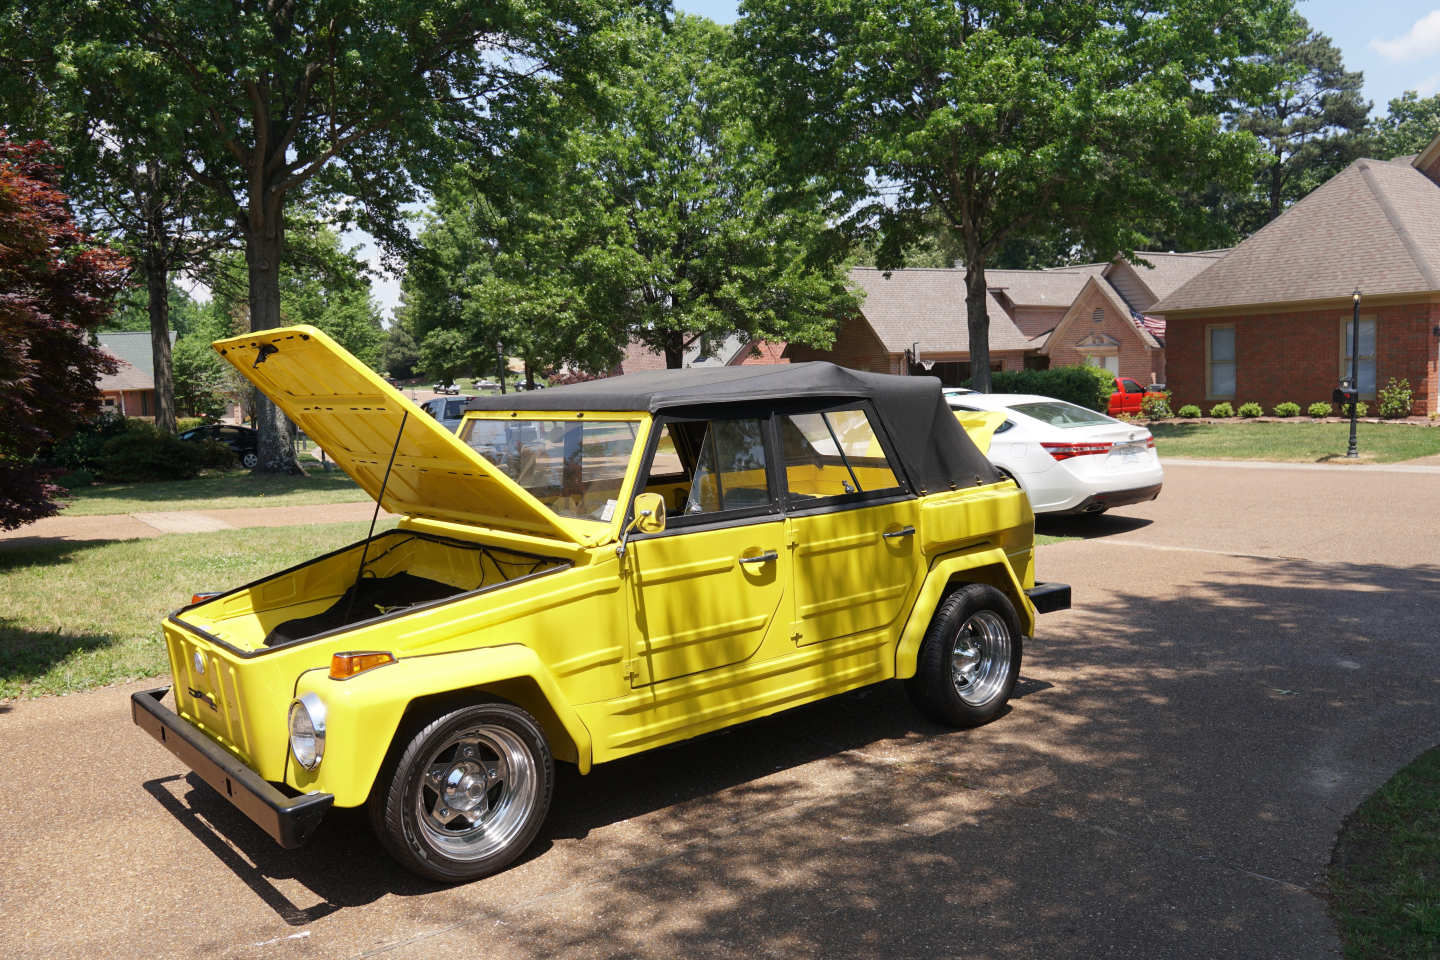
(936,451)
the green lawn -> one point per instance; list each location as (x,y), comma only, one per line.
(1294,442)
(215,491)
(83,614)
(1385,876)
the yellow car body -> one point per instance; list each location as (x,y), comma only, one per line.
(549,595)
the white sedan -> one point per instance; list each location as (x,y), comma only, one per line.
(1066,458)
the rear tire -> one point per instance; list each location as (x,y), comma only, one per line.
(468,794)
(969,660)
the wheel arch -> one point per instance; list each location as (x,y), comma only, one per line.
(371,713)
(988,566)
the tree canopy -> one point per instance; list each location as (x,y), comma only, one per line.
(351,104)
(658,220)
(1006,118)
(1408,127)
(56,288)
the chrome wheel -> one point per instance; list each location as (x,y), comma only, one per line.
(478,794)
(980,658)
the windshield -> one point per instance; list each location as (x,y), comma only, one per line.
(1058,413)
(574,467)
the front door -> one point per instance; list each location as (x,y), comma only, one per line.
(706,590)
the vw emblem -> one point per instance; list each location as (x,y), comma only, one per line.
(199,662)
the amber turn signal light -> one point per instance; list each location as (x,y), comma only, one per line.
(197,597)
(343,666)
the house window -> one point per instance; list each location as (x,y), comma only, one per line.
(1367,354)
(1220,362)
(1105,361)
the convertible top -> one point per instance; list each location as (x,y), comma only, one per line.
(935,449)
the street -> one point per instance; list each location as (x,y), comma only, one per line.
(1248,658)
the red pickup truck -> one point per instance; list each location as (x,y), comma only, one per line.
(1129,395)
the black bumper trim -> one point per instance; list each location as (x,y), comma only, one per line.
(1049,597)
(1116,498)
(288,820)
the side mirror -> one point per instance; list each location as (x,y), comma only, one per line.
(650,513)
(649,518)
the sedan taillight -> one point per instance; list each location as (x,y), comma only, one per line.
(1064,451)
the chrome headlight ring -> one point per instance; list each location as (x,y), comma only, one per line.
(307,730)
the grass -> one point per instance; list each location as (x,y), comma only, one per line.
(1294,442)
(1385,876)
(79,615)
(215,491)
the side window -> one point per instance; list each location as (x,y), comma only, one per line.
(1132,387)
(833,454)
(730,468)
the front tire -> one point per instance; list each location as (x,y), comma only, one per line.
(969,660)
(468,794)
(249,460)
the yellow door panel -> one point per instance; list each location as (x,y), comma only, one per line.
(703,599)
(852,569)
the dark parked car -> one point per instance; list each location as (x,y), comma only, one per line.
(240,439)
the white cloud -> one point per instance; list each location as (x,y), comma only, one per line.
(1421,39)
(1429,85)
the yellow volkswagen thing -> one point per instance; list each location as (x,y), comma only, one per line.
(584,573)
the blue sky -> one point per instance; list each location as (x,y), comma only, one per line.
(1395,42)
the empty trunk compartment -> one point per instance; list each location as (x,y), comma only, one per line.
(403,572)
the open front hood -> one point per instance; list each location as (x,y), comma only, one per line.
(355,415)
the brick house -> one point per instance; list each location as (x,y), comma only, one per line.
(1090,313)
(130,390)
(1271,321)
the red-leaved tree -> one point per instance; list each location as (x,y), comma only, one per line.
(56,286)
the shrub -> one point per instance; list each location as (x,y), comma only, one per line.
(1395,400)
(1287,409)
(1222,410)
(1157,407)
(1362,409)
(189,423)
(1318,409)
(1087,386)
(214,455)
(1251,410)
(81,450)
(1189,411)
(145,453)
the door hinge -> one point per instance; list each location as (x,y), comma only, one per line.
(632,670)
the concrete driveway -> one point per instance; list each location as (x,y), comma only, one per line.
(1248,658)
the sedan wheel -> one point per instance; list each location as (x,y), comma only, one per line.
(249,460)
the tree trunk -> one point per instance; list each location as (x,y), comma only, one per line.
(674,351)
(978,322)
(263,245)
(157,287)
(529,375)
(1277,179)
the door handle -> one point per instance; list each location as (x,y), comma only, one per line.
(765,557)
(902,532)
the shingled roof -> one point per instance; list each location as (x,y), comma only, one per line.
(1038,288)
(1375,226)
(1168,272)
(927,306)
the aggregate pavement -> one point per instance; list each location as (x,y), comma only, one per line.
(1248,658)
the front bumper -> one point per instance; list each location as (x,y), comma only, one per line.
(1049,597)
(288,820)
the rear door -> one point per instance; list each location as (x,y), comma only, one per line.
(850,525)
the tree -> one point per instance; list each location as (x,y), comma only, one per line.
(358,99)
(1006,118)
(1311,122)
(55,289)
(399,355)
(658,220)
(109,117)
(1408,127)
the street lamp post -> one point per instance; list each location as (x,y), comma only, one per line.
(1354,451)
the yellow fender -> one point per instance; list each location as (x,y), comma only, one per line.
(979,565)
(980,425)
(364,712)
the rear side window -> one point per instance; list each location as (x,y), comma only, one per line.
(833,454)
(1058,413)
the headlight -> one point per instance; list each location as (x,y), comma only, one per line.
(307,730)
